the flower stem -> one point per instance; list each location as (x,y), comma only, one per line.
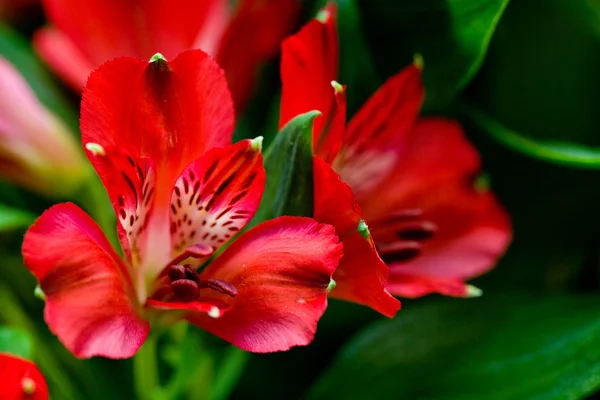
(231,370)
(145,369)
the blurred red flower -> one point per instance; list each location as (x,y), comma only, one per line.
(21,379)
(157,134)
(413,178)
(37,150)
(84,34)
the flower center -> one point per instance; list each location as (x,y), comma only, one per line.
(186,283)
(400,236)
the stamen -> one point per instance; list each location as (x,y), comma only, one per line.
(417,231)
(399,252)
(28,386)
(195,251)
(185,289)
(220,286)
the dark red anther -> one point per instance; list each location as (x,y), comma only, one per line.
(400,252)
(194,251)
(185,289)
(176,272)
(220,286)
(417,231)
(191,274)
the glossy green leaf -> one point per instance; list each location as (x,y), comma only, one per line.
(498,347)
(13,218)
(288,162)
(557,152)
(452,35)
(17,50)
(16,341)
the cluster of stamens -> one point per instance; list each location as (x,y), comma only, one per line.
(185,281)
(409,233)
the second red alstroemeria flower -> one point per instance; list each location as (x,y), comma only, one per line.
(85,33)
(21,379)
(412,177)
(157,133)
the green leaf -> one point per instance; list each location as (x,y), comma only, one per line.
(16,341)
(288,162)
(504,347)
(17,50)
(13,218)
(357,67)
(557,152)
(452,35)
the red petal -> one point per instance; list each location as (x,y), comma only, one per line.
(253,36)
(211,307)
(157,115)
(90,302)
(21,379)
(309,64)
(63,56)
(375,137)
(411,286)
(113,28)
(361,275)
(436,176)
(281,269)
(217,195)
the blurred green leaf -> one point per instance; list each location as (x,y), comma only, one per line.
(557,152)
(357,68)
(16,341)
(13,218)
(17,50)
(505,346)
(288,162)
(452,35)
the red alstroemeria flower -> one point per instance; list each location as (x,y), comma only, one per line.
(21,379)
(153,131)
(86,33)
(412,177)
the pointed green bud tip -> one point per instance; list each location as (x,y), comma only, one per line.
(323,16)
(39,293)
(95,149)
(158,58)
(418,61)
(482,183)
(337,87)
(256,143)
(331,285)
(363,229)
(28,386)
(473,291)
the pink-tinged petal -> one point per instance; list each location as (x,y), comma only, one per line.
(36,149)
(90,302)
(470,229)
(411,286)
(63,56)
(281,270)
(217,195)
(21,379)
(253,37)
(309,69)
(376,135)
(113,28)
(361,275)
(139,113)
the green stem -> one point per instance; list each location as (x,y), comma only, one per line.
(145,369)
(229,373)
